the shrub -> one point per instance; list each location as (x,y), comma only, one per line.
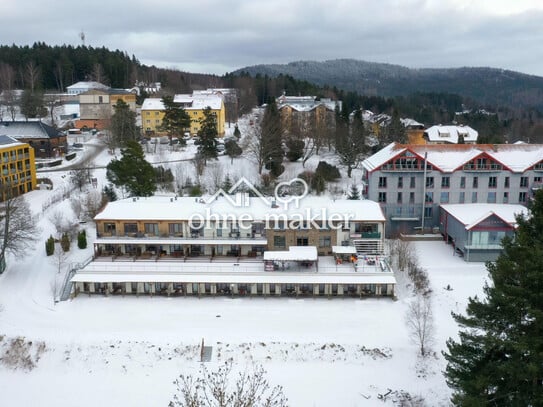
(276,169)
(82,239)
(50,246)
(195,190)
(65,242)
(295,149)
(327,172)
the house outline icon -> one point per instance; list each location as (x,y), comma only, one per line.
(240,199)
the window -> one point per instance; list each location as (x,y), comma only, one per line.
(147,113)
(429,182)
(537,180)
(492,182)
(175,229)
(412,182)
(506,197)
(475,182)
(400,182)
(382,197)
(429,197)
(325,241)
(444,197)
(130,228)
(445,182)
(462,182)
(462,197)
(411,197)
(522,197)
(506,182)
(491,198)
(382,182)
(100,99)
(524,182)
(474,197)
(151,228)
(109,228)
(398,211)
(399,200)
(279,241)
(302,241)
(428,212)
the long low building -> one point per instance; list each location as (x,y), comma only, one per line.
(237,245)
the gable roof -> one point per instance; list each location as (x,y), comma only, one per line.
(26,130)
(449,157)
(451,134)
(470,215)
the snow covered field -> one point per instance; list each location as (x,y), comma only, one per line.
(114,351)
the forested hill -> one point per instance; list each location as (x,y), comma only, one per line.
(61,66)
(489,86)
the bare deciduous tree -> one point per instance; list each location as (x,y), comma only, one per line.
(420,322)
(215,175)
(18,229)
(81,176)
(7,84)
(215,389)
(93,202)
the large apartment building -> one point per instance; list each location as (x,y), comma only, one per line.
(152,112)
(410,182)
(237,245)
(18,168)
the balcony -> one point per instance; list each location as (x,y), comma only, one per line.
(482,167)
(366,235)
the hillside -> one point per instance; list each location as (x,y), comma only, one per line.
(489,86)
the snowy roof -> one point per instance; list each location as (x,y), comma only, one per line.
(180,241)
(449,157)
(294,253)
(411,123)
(451,134)
(152,104)
(258,209)
(86,85)
(199,101)
(28,130)
(471,215)
(306,103)
(344,249)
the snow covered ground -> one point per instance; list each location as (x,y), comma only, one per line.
(116,351)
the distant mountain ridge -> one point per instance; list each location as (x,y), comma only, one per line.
(489,86)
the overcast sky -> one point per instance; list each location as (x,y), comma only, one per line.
(219,36)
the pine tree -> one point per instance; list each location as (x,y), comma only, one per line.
(499,358)
(232,150)
(227,183)
(208,134)
(122,125)
(82,240)
(237,133)
(175,119)
(132,171)
(354,193)
(65,242)
(350,145)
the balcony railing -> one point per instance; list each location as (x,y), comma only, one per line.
(366,235)
(482,167)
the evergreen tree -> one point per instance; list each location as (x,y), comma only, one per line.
(132,171)
(237,133)
(227,183)
(232,150)
(65,242)
(208,135)
(123,125)
(354,193)
(498,360)
(272,139)
(175,119)
(110,193)
(82,240)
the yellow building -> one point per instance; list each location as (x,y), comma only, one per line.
(18,167)
(152,112)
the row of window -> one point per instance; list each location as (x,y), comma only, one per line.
(444,197)
(446,182)
(280,241)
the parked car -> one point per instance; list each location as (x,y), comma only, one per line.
(197,141)
(220,147)
(174,141)
(164,140)
(77,145)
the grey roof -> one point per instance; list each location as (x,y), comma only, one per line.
(25,130)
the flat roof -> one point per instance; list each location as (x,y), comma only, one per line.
(294,253)
(179,241)
(234,278)
(344,249)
